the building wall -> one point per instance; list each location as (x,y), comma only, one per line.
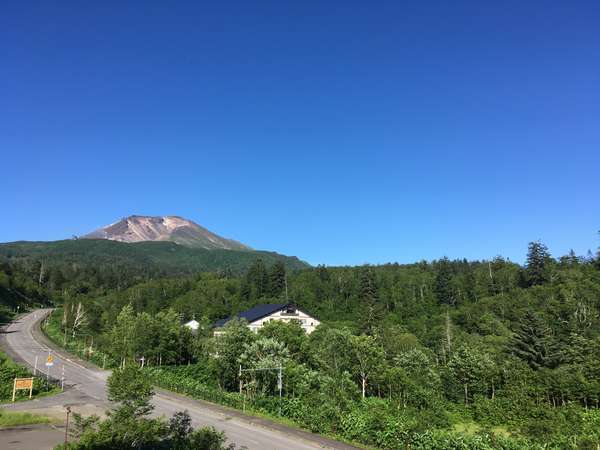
(307,322)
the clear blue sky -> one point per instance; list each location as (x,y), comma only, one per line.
(342,132)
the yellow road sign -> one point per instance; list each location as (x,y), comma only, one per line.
(22,383)
(50,360)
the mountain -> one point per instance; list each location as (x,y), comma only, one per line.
(164,228)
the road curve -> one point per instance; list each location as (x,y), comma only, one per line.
(23,340)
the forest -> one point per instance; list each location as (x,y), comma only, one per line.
(440,354)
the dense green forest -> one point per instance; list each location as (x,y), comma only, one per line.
(111,264)
(484,354)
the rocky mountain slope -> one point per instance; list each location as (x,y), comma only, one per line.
(164,228)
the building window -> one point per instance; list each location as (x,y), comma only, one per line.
(291,310)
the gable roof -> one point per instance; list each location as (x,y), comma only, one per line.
(252,314)
(193,324)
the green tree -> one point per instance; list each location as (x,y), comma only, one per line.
(229,345)
(260,355)
(469,367)
(259,279)
(537,266)
(369,301)
(367,358)
(277,279)
(128,424)
(173,345)
(331,349)
(132,390)
(122,336)
(534,343)
(291,334)
(443,283)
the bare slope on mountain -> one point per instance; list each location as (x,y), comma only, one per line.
(164,228)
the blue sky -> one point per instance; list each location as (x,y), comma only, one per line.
(341,132)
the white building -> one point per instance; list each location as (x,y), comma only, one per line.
(193,325)
(261,314)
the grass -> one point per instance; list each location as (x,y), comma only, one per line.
(471,428)
(23,396)
(12,419)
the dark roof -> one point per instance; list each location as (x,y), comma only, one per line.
(253,314)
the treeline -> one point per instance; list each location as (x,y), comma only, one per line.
(92,264)
(403,349)
(18,291)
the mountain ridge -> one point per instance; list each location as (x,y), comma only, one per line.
(161,258)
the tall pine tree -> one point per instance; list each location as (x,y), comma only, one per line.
(534,342)
(443,283)
(537,267)
(369,300)
(277,280)
(258,278)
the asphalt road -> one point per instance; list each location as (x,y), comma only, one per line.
(23,340)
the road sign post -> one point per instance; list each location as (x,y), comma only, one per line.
(49,363)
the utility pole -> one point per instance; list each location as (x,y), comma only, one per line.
(48,374)
(35,365)
(279,379)
(67,428)
(280,386)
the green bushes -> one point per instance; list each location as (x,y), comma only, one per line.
(371,421)
(444,440)
(9,370)
(178,379)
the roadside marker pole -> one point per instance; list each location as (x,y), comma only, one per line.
(67,428)
(62,380)
(280,385)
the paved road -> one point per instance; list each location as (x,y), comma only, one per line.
(34,437)
(87,383)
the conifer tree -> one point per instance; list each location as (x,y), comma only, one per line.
(277,279)
(534,342)
(258,278)
(537,269)
(443,283)
(323,273)
(369,300)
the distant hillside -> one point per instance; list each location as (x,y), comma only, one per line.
(164,228)
(147,258)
